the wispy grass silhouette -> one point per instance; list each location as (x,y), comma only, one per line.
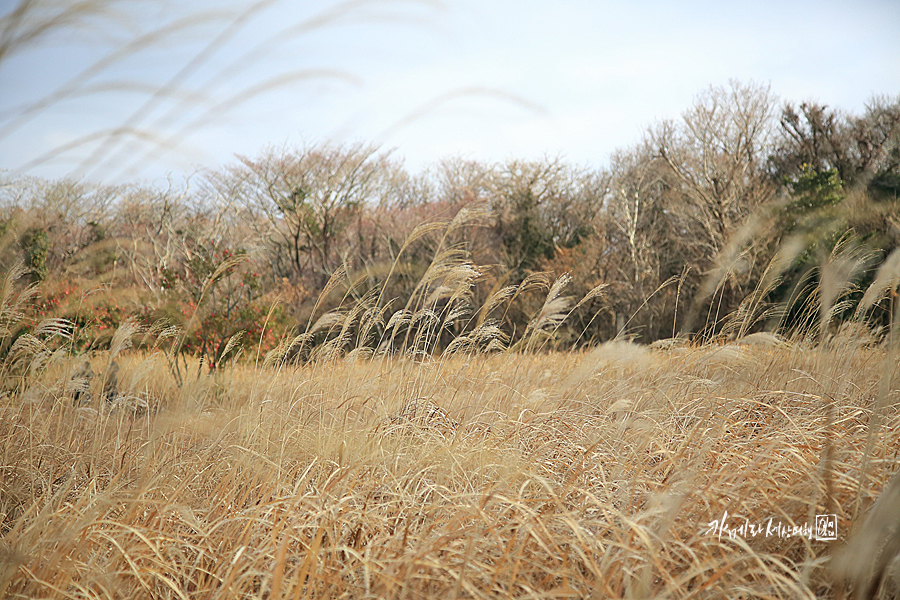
(156,125)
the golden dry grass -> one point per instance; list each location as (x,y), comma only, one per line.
(593,474)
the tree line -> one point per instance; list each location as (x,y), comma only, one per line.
(719,222)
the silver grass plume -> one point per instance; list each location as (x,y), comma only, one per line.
(886,280)
(553,312)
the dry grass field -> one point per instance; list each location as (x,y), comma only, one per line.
(623,471)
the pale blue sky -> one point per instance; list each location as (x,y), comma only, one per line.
(482,80)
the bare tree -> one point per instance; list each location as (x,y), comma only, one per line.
(718,151)
(641,242)
(310,197)
(151,224)
(636,205)
(541,206)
